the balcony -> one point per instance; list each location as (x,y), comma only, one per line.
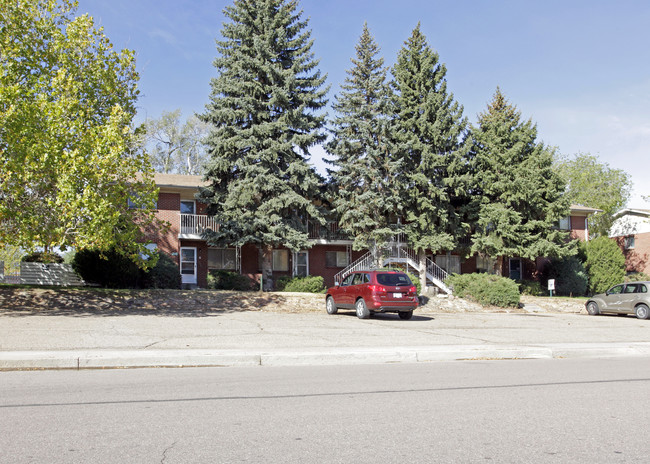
(193,225)
(328,232)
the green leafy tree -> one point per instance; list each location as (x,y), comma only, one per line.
(595,184)
(67,151)
(432,132)
(176,147)
(605,264)
(518,198)
(365,168)
(262,117)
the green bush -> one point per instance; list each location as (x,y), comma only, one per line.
(309,284)
(570,276)
(605,264)
(42,257)
(637,277)
(486,289)
(165,274)
(227,280)
(530,287)
(109,269)
(415,280)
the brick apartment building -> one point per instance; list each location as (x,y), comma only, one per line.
(329,255)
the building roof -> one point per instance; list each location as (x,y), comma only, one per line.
(179,180)
(633,212)
(584,209)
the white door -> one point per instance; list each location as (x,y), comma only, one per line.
(301,264)
(188,265)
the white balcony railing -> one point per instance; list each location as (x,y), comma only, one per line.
(196,224)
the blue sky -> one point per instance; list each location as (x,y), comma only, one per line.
(580,69)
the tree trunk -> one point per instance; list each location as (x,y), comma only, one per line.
(422,262)
(498,266)
(267,268)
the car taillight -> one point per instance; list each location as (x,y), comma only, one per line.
(413,289)
(377,288)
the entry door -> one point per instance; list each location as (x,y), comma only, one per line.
(188,265)
(301,264)
(515,268)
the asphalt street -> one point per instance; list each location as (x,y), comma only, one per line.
(254,338)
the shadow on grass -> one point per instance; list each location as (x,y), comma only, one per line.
(87,302)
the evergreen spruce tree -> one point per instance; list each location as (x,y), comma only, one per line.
(518,197)
(364,178)
(263,119)
(433,135)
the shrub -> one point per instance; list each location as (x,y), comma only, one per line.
(605,264)
(637,277)
(530,287)
(165,274)
(108,269)
(415,280)
(486,289)
(308,284)
(42,257)
(227,280)
(570,276)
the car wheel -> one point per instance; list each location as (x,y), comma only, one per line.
(406,315)
(331,306)
(362,309)
(642,312)
(592,308)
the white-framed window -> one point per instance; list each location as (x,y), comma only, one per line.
(222,258)
(336,259)
(629,242)
(565,223)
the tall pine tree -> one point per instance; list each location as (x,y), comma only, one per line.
(518,197)
(432,134)
(367,198)
(263,116)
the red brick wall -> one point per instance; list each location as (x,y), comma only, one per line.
(638,258)
(577,228)
(168,211)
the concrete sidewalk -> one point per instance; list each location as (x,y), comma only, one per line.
(252,338)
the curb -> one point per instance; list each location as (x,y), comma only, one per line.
(117,359)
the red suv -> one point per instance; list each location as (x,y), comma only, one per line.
(374,291)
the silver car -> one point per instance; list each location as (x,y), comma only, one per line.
(628,298)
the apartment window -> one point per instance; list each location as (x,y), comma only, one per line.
(280,260)
(188,207)
(336,259)
(565,223)
(138,203)
(485,264)
(629,242)
(222,258)
(450,263)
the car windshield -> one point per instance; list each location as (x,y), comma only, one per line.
(393,279)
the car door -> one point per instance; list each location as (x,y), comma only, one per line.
(356,288)
(632,295)
(613,298)
(341,298)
